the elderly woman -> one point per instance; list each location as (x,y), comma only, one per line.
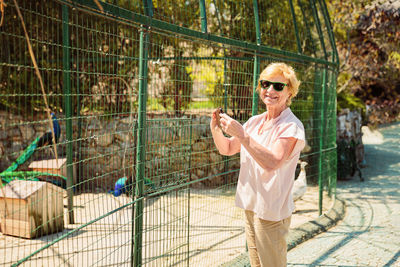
(269,146)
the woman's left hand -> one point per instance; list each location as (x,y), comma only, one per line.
(231,126)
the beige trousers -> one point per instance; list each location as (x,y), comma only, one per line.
(266,241)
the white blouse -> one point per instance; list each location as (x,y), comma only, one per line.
(268,193)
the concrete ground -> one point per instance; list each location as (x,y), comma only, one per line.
(216,231)
(369,234)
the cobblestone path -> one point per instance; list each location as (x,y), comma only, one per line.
(369,235)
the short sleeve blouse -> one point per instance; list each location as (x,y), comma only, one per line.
(268,193)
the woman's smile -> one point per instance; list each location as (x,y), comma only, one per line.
(271,97)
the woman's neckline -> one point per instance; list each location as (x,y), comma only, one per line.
(266,124)
(280,114)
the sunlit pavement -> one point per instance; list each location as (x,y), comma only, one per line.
(369,234)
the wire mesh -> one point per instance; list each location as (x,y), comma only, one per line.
(232,19)
(273,31)
(137,179)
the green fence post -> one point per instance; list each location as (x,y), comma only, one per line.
(296,30)
(132,189)
(329,29)
(141,145)
(68,110)
(314,164)
(190,178)
(225,158)
(78,113)
(256,72)
(318,24)
(332,128)
(225,84)
(257,22)
(321,143)
(203,16)
(148,7)
(305,21)
(256,69)
(141,137)
(256,66)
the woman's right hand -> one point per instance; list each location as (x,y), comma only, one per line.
(214,120)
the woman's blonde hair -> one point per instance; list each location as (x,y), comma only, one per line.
(279,68)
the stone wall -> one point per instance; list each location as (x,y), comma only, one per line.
(106,148)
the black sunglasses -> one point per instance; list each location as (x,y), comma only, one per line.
(278,86)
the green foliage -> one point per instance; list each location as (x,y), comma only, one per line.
(176,93)
(348,100)
(303,108)
(345,15)
(198,105)
(17,76)
(303,104)
(368,44)
(343,77)
(394,59)
(210,72)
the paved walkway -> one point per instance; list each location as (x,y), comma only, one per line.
(369,235)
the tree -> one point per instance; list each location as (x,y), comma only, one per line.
(367,39)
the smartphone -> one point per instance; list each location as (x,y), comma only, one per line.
(219,111)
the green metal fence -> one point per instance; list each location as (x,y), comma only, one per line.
(133,85)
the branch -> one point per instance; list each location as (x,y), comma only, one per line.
(344,86)
(2,5)
(348,52)
(98,5)
(39,77)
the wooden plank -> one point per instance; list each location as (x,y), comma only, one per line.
(35,214)
(16,228)
(15,209)
(48,164)
(46,201)
(20,189)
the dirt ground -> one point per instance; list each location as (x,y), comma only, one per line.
(207,224)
